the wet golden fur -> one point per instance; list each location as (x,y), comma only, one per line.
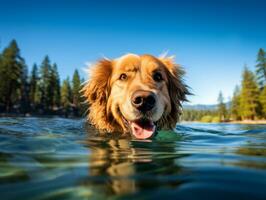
(108,97)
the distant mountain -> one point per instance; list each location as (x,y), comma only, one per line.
(200,106)
(203,106)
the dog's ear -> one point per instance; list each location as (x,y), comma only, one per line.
(96,92)
(97,87)
(176,88)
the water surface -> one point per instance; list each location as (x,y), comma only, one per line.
(55,158)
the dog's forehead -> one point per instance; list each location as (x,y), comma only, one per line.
(128,62)
(132,62)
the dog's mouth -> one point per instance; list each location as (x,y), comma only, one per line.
(142,128)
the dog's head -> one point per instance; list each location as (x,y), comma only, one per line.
(135,94)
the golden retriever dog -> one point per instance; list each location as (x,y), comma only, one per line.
(137,94)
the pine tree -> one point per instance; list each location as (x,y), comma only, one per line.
(261,68)
(33,85)
(235,104)
(24,89)
(55,85)
(262,99)
(221,107)
(45,84)
(10,75)
(76,89)
(249,96)
(38,95)
(66,93)
(1,88)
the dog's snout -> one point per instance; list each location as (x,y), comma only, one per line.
(143,100)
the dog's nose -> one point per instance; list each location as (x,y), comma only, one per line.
(143,100)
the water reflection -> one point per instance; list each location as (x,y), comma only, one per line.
(129,165)
(257,151)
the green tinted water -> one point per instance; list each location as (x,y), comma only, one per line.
(55,158)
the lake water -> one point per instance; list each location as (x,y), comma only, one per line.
(56,158)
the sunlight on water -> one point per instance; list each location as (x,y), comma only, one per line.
(55,158)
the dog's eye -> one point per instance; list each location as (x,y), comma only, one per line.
(157,76)
(123,77)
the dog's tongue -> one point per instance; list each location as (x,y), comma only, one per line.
(142,129)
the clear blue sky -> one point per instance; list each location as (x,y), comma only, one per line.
(212,40)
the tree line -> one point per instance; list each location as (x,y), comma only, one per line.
(42,92)
(248,101)
(37,92)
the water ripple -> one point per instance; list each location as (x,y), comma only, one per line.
(56,158)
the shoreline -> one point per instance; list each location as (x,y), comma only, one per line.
(247,122)
(71,116)
(27,115)
(230,122)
